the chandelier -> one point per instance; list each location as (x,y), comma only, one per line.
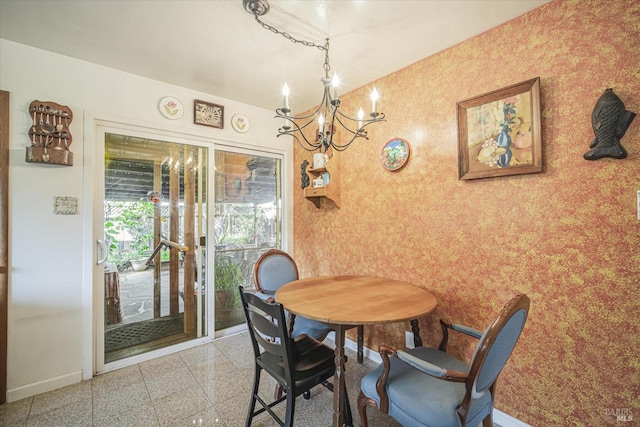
(327,114)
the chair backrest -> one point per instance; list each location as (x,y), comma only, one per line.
(273,269)
(267,328)
(496,345)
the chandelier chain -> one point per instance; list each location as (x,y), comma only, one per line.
(290,37)
(294,40)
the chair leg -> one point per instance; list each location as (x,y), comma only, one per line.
(291,406)
(362,409)
(360,343)
(254,393)
(348,417)
(488,420)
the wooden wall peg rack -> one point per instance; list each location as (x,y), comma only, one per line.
(49,134)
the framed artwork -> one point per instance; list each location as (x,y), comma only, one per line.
(395,154)
(499,133)
(208,114)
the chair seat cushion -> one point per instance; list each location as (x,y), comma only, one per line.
(417,399)
(313,328)
(311,356)
(313,362)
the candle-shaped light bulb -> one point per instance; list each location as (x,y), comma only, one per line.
(335,82)
(360,117)
(321,123)
(285,93)
(374,99)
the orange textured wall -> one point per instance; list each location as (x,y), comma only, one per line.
(568,237)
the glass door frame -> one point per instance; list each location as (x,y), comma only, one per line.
(95,127)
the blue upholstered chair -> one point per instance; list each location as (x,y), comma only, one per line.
(275,268)
(425,387)
(272,270)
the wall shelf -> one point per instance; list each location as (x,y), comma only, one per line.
(331,190)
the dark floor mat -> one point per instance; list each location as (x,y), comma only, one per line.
(137,333)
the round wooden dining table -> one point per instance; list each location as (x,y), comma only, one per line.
(347,301)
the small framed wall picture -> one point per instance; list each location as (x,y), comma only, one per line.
(208,114)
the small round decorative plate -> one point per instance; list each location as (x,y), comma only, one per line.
(240,123)
(395,154)
(171,107)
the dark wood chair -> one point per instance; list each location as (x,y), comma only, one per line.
(428,387)
(273,269)
(297,364)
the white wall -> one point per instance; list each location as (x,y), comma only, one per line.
(47,284)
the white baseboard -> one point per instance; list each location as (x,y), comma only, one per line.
(506,420)
(43,386)
(499,417)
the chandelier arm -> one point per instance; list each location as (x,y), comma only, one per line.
(342,147)
(345,126)
(360,132)
(379,118)
(281,113)
(305,145)
(298,129)
(295,120)
(313,114)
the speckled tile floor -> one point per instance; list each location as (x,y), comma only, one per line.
(208,385)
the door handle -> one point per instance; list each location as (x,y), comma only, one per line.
(103,247)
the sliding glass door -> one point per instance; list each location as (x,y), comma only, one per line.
(248,222)
(155,204)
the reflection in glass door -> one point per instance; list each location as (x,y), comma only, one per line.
(248,222)
(155,228)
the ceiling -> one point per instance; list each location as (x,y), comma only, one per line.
(216,47)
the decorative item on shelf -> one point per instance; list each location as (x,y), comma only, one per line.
(304,178)
(49,134)
(171,108)
(208,114)
(327,113)
(499,133)
(240,123)
(609,120)
(395,154)
(319,160)
(326,179)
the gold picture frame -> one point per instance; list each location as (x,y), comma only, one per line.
(499,133)
(208,114)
